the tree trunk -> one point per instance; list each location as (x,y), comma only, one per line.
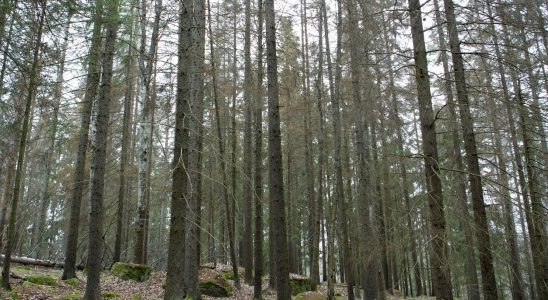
(98,169)
(92,82)
(176,250)
(471,274)
(127,119)
(489,284)
(275,163)
(247,156)
(440,264)
(40,8)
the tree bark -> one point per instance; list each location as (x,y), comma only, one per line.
(95,236)
(92,83)
(489,284)
(275,162)
(440,265)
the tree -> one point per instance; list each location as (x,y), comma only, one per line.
(95,236)
(92,83)
(40,11)
(440,267)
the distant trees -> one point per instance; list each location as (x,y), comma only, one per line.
(397,147)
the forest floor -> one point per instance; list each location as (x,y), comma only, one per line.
(37,283)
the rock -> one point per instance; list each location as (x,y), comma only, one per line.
(131,271)
(215,287)
(299,284)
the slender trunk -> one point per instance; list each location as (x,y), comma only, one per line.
(92,83)
(440,265)
(40,8)
(247,155)
(489,284)
(224,180)
(126,127)
(176,250)
(258,264)
(471,274)
(98,168)
(275,171)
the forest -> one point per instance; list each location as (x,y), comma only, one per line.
(261,149)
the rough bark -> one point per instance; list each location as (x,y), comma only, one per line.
(489,284)
(176,250)
(98,159)
(275,162)
(440,266)
(92,83)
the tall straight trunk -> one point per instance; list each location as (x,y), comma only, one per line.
(146,66)
(440,265)
(220,139)
(176,249)
(321,133)
(127,119)
(247,182)
(489,284)
(98,159)
(40,8)
(51,134)
(471,274)
(190,279)
(275,162)
(339,189)
(313,239)
(516,286)
(233,136)
(538,232)
(258,254)
(92,83)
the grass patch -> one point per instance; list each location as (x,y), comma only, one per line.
(73,296)
(72,281)
(111,294)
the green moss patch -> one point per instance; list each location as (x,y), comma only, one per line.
(310,296)
(131,271)
(215,287)
(42,280)
(72,281)
(300,284)
(111,294)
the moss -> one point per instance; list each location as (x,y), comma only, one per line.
(227,274)
(131,271)
(136,297)
(300,284)
(72,281)
(14,295)
(216,287)
(72,296)
(111,294)
(42,280)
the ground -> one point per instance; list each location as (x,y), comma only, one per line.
(39,283)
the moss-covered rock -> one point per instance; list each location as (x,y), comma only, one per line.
(215,287)
(110,294)
(72,281)
(131,271)
(299,284)
(42,280)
